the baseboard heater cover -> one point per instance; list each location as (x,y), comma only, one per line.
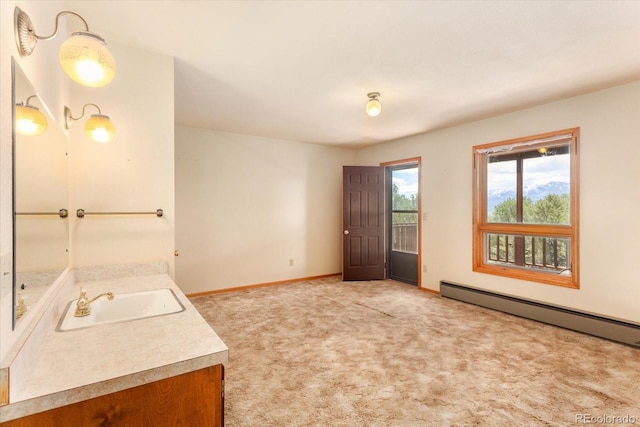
(603,327)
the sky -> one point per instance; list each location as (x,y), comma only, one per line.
(537,171)
(406,180)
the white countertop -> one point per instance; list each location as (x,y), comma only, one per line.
(81,364)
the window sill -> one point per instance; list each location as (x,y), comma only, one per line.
(532,276)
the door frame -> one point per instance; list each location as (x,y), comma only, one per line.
(417,161)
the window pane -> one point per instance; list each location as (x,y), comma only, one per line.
(404,189)
(501,190)
(545,182)
(549,254)
(404,232)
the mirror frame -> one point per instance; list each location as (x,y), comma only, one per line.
(13,193)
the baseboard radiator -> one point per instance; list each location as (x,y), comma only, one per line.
(610,329)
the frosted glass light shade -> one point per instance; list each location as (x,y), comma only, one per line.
(373,108)
(29,120)
(99,128)
(86,59)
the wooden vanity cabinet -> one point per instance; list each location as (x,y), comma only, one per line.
(192,399)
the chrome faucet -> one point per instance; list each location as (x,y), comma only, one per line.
(83,307)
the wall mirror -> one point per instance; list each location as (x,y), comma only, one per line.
(40,198)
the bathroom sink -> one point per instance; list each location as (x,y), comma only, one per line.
(123,307)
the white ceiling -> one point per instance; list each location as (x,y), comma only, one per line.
(300,70)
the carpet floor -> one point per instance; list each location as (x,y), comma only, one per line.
(380,353)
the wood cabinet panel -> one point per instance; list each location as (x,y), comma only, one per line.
(191,399)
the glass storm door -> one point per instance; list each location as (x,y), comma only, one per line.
(402,202)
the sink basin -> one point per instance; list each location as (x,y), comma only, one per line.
(123,307)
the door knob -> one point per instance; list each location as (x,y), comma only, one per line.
(346,231)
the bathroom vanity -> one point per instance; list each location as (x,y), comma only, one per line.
(163,370)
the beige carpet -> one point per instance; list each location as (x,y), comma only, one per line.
(333,353)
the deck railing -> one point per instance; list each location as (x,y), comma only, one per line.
(548,253)
(405,237)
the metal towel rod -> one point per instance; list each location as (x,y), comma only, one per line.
(62,213)
(80,213)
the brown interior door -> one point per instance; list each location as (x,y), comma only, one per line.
(363,223)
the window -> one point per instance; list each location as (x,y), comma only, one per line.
(525,219)
(404,208)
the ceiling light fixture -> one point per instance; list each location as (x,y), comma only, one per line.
(83,56)
(29,120)
(98,127)
(373,107)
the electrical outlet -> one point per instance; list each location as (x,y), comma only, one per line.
(424,268)
(291,262)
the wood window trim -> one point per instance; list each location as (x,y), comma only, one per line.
(481,226)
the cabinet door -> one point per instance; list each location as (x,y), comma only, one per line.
(191,399)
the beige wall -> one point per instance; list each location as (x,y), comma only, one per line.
(609,198)
(132,173)
(246,205)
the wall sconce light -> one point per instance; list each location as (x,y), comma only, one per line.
(98,127)
(373,107)
(29,120)
(83,56)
